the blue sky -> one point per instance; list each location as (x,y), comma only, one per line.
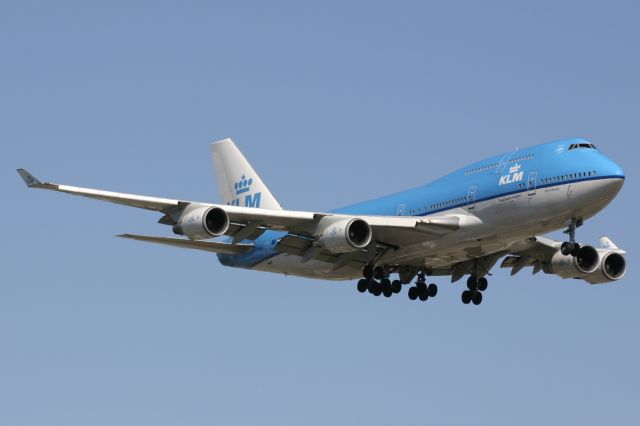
(332,103)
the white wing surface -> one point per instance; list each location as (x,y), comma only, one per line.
(250,222)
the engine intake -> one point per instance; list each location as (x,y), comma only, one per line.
(346,236)
(567,266)
(612,267)
(202,223)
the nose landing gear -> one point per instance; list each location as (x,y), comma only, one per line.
(571,247)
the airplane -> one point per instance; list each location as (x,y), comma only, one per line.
(456,226)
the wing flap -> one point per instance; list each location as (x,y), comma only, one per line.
(210,246)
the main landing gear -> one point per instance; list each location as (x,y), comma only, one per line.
(377,282)
(571,247)
(421,290)
(475,288)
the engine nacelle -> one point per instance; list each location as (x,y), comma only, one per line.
(580,266)
(202,223)
(346,236)
(612,267)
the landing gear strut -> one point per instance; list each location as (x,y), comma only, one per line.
(475,288)
(571,247)
(421,290)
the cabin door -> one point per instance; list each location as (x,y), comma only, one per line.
(531,183)
(471,197)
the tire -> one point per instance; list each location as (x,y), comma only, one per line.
(566,248)
(378,272)
(363,285)
(368,272)
(466,297)
(375,288)
(387,292)
(396,286)
(477,298)
(423,292)
(483,284)
(413,293)
(432,290)
(472,283)
(575,250)
(386,285)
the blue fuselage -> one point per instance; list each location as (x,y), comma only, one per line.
(528,171)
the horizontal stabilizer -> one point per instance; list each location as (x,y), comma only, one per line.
(210,246)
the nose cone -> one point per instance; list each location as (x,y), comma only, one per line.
(611,170)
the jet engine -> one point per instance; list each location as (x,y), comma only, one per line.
(612,267)
(346,236)
(202,223)
(580,266)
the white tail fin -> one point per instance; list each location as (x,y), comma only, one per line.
(239,184)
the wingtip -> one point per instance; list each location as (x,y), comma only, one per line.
(227,140)
(30,180)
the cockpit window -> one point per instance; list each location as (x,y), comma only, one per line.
(581,145)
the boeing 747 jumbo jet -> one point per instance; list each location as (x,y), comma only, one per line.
(459,225)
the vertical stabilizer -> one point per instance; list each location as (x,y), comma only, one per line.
(238,183)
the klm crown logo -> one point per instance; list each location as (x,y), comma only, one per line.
(242,186)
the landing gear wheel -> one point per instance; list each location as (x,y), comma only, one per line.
(387,292)
(363,285)
(423,291)
(476,298)
(413,293)
(575,250)
(378,273)
(423,295)
(367,272)
(375,288)
(432,290)
(566,248)
(386,285)
(396,286)
(466,297)
(472,283)
(482,284)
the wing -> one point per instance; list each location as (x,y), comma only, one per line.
(303,227)
(535,252)
(140,201)
(210,246)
